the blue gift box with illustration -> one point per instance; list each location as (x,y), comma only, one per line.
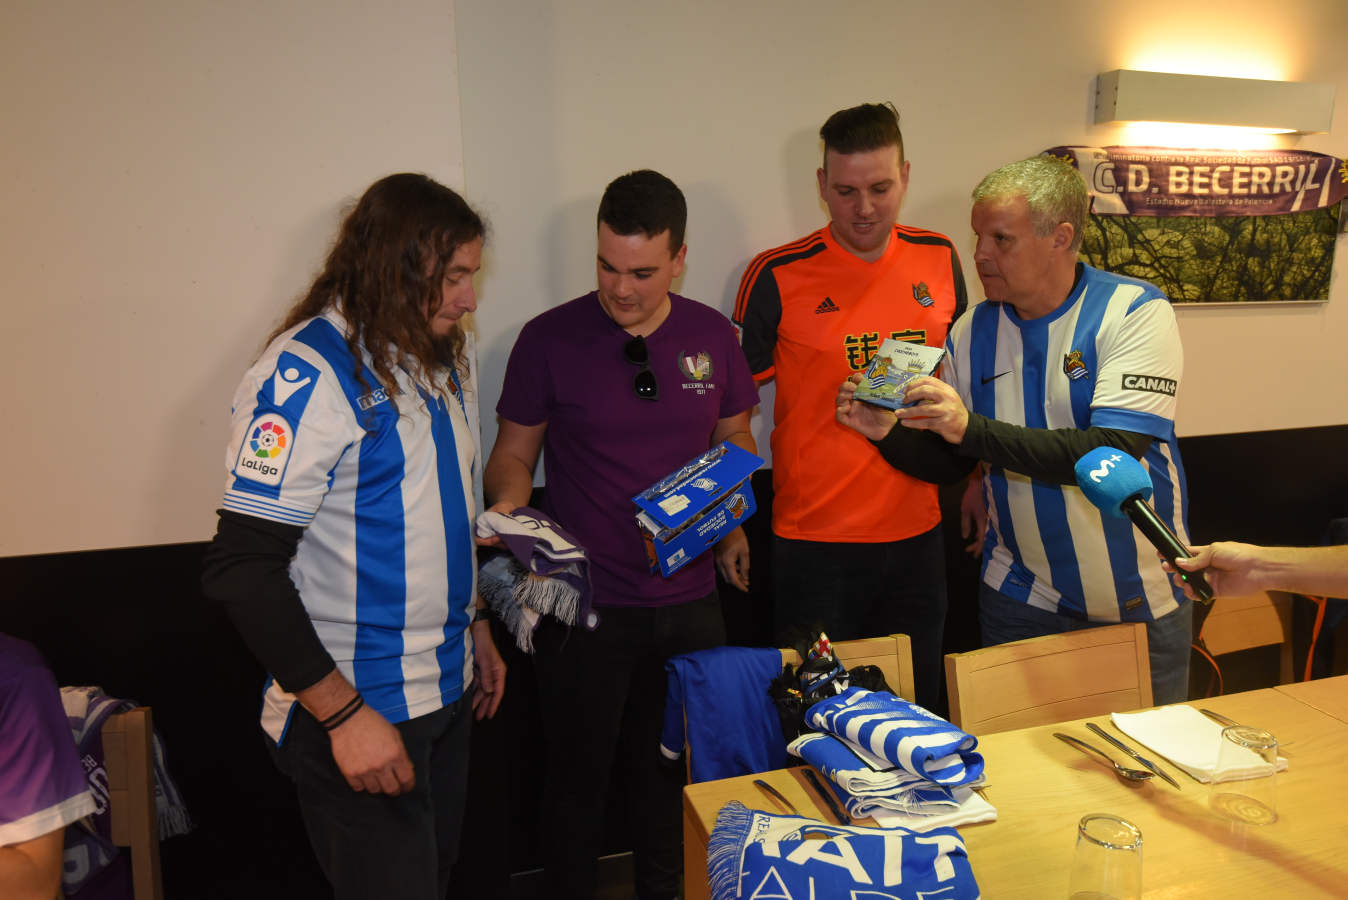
(687,511)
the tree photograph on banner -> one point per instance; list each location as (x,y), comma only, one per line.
(1214,226)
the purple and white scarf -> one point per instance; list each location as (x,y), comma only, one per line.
(547,573)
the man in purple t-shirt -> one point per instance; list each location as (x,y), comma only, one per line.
(618,388)
(42,784)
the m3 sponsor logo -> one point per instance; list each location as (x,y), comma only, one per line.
(1154,383)
(285,382)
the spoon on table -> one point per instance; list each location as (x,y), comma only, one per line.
(1131,777)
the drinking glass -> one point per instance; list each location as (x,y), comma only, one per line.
(1247,763)
(1107,864)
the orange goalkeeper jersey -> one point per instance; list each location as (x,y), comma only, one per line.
(811,314)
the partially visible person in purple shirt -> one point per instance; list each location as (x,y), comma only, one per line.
(42,784)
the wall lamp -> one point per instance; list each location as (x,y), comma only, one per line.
(1270,106)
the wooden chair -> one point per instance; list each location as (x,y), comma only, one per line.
(1261,620)
(128,755)
(1050,679)
(893,654)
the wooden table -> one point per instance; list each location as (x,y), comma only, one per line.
(1329,695)
(1041,788)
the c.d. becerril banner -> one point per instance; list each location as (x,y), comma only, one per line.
(1158,181)
(1214,226)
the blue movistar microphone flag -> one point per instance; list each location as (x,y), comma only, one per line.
(1119,485)
(1108,476)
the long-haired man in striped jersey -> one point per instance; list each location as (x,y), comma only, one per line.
(345,554)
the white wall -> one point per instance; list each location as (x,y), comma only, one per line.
(727,97)
(172,173)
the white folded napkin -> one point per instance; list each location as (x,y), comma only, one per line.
(1190,740)
(973,808)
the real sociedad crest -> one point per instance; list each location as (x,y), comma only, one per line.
(1073,367)
(922,294)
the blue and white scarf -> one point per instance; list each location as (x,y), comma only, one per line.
(753,854)
(864,790)
(902,733)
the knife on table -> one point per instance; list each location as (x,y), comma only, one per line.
(776,795)
(829,799)
(1133,753)
(1218,717)
(1227,721)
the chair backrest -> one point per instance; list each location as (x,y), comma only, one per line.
(1050,679)
(893,654)
(128,755)
(1239,623)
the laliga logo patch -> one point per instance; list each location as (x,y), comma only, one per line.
(922,294)
(1073,366)
(262,457)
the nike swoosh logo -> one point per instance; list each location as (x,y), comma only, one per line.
(986,379)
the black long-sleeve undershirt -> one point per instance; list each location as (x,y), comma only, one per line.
(923,455)
(247,570)
(1041,453)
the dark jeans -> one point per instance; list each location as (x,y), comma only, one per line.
(374,845)
(1168,638)
(602,695)
(866,590)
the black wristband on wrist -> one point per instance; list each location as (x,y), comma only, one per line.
(350,709)
(480,614)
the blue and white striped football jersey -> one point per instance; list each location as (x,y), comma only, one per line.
(1110,356)
(385,567)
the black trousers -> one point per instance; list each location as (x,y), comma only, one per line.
(866,590)
(374,845)
(602,695)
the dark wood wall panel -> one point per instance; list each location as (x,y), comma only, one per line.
(1267,487)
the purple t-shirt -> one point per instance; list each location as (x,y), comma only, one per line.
(603,444)
(42,784)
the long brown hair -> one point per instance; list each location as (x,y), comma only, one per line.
(385,272)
